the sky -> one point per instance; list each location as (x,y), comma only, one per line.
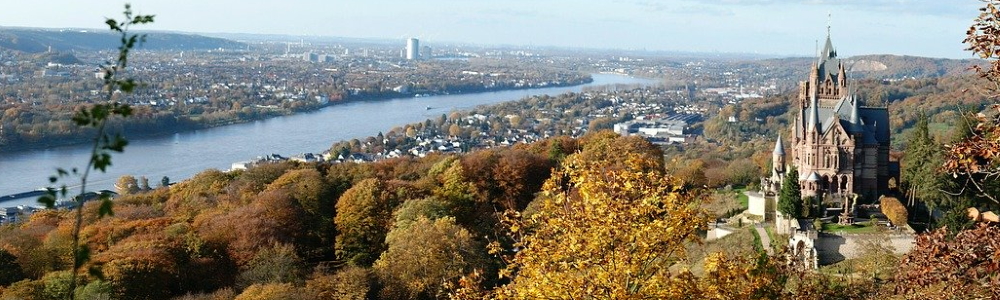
(932,28)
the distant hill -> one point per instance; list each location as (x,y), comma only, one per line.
(896,66)
(880,66)
(58,57)
(31,40)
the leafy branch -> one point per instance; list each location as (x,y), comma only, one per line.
(976,157)
(104,144)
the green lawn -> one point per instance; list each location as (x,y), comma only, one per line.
(742,198)
(856,228)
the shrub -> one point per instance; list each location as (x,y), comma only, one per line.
(894,210)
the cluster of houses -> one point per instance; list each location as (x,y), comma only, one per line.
(19,207)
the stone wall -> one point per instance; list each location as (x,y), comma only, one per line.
(833,248)
(757,204)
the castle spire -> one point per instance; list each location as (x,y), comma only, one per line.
(828,51)
(779,147)
(854,111)
(778,160)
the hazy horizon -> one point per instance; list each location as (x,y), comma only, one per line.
(765,27)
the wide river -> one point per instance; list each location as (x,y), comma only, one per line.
(182,155)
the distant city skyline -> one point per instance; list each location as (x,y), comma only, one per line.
(930,28)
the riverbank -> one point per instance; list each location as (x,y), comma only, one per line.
(185,154)
(184,124)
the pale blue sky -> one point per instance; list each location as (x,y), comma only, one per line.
(908,27)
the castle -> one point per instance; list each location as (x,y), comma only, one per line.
(839,145)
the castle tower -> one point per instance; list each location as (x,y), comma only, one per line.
(778,159)
(839,146)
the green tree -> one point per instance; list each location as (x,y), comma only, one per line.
(790,198)
(556,150)
(921,179)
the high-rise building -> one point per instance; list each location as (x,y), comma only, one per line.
(839,143)
(310,56)
(413,49)
(425,52)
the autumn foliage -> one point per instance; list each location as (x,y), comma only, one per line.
(963,267)
(604,228)
(894,210)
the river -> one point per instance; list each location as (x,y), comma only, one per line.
(182,155)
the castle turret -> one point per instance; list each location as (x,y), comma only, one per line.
(778,159)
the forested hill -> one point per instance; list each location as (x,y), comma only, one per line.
(877,66)
(35,40)
(896,66)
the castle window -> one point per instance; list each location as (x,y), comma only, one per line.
(828,160)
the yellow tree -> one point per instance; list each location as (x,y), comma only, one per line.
(424,256)
(605,231)
(364,216)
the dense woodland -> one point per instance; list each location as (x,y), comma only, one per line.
(598,215)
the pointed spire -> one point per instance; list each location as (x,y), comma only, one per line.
(854,111)
(828,51)
(779,147)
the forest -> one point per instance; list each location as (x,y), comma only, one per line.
(563,217)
